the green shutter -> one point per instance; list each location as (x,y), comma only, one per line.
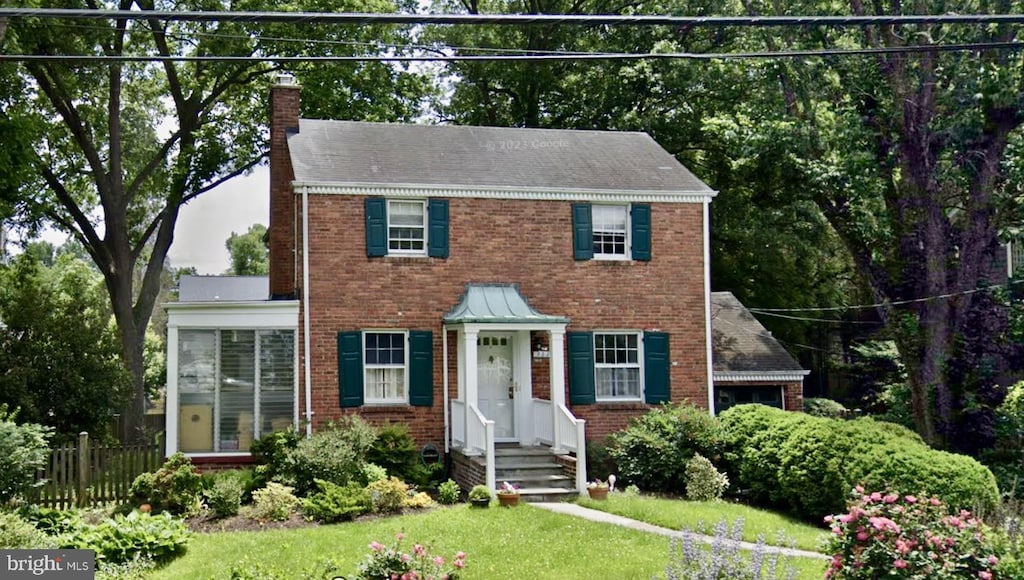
(376,227)
(581,367)
(656,367)
(437,232)
(640,218)
(582,232)
(350,369)
(421,368)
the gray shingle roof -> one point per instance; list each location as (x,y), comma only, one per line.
(495,303)
(351,152)
(740,343)
(223,288)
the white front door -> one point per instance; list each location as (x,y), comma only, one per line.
(495,379)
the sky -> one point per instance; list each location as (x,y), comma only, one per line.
(205,223)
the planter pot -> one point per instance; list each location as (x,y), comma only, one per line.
(480,503)
(598,493)
(508,499)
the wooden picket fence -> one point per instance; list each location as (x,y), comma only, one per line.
(82,475)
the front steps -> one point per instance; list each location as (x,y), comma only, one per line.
(534,471)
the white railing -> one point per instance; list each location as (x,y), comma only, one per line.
(570,435)
(543,429)
(480,437)
(459,424)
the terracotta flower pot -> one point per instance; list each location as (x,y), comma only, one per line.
(508,499)
(598,493)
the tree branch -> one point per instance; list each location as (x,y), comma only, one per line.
(214,184)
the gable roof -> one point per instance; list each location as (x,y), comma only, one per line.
(223,288)
(496,303)
(393,154)
(741,346)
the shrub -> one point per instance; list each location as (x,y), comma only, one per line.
(51,521)
(225,496)
(907,537)
(24,449)
(653,450)
(690,560)
(825,408)
(418,501)
(392,562)
(336,454)
(395,450)
(448,492)
(480,492)
(427,475)
(176,487)
(703,481)
(336,503)
(754,450)
(599,460)
(274,502)
(17,533)
(373,472)
(387,495)
(122,538)
(270,454)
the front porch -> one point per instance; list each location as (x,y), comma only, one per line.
(509,393)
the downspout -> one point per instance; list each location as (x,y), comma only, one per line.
(444,378)
(707,305)
(305,310)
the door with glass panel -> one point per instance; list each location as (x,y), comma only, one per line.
(496,383)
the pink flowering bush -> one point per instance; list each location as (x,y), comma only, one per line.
(893,536)
(392,563)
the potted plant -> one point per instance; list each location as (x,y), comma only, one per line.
(508,494)
(598,489)
(480,496)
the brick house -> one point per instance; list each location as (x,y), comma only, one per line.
(495,289)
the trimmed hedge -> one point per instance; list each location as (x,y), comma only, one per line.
(808,465)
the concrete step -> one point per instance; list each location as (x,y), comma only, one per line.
(547,494)
(555,481)
(520,470)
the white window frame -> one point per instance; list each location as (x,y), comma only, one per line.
(638,365)
(1014,250)
(404,399)
(627,248)
(424,226)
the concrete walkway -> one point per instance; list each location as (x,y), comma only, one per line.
(600,516)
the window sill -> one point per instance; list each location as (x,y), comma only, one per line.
(385,408)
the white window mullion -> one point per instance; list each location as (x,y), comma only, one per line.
(216,393)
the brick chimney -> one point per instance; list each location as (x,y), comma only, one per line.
(284,119)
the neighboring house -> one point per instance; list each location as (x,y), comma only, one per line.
(750,365)
(481,285)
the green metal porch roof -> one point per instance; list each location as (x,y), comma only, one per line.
(496,303)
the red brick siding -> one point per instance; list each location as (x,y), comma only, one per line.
(508,241)
(284,115)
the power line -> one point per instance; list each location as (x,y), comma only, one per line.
(526,56)
(507,19)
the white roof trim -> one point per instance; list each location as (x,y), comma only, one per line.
(529,193)
(213,304)
(760,376)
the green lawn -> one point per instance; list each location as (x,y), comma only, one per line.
(524,542)
(676,514)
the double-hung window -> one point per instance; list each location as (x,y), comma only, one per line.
(617,366)
(384,364)
(407,231)
(611,232)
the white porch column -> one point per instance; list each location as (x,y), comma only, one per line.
(557,374)
(472,395)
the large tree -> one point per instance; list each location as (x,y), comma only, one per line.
(249,253)
(118,147)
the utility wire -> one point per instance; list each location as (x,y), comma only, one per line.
(527,56)
(509,19)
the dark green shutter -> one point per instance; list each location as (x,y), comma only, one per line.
(656,367)
(376,227)
(437,232)
(581,367)
(421,368)
(350,369)
(640,218)
(582,232)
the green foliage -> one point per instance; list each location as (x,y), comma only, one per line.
(480,492)
(176,487)
(224,497)
(653,450)
(24,449)
(599,460)
(373,472)
(247,570)
(387,495)
(392,562)
(336,503)
(1006,459)
(270,453)
(825,408)
(160,537)
(703,481)
(138,568)
(448,492)
(335,453)
(249,252)
(60,352)
(427,475)
(806,464)
(885,535)
(689,559)
(275,502)
(51,521)
(18,533)
(395,450)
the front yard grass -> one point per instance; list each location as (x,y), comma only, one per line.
(676,514)
(524,542)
